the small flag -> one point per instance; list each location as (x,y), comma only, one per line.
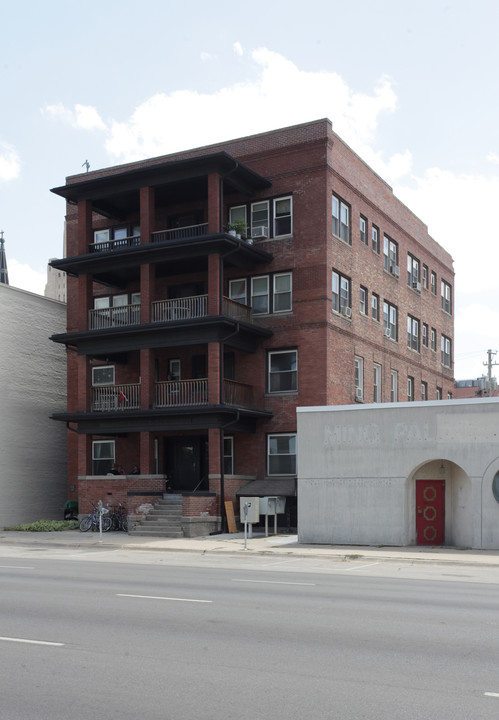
(122,397)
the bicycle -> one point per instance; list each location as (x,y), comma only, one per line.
(119,517)
(91,521)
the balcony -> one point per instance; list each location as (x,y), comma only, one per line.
(103,318)
(112,398)
(118,244)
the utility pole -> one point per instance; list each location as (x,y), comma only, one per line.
(489,364)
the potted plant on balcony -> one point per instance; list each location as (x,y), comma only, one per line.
(238,228)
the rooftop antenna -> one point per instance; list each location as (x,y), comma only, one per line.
(4,275)
(86,165)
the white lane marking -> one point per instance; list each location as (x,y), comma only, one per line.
(17,567)
(272,582)
(155,597)
(490,694)
(359,567)
(32,642)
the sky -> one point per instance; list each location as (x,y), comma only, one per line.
(412,87)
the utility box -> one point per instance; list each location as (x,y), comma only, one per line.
(249,509)
(272,505)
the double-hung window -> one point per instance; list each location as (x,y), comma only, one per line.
(260,218)
(237,214)
(425,277)
(433,339)
(359,377)
(433,280)
(412,333)
(229,455)
(446,296)
(281,454)
(282,371)
(341,219)
(375,306)
(102,375)
(413,272)
(363,300)
(237,290)
(424,334)
(410,389)
(445,346)
(390,256)
(375,239)
(283,216)
(260,294)
(103,456)
(394,386)
(341,294)
(377,395)
(390,320)
(363,230)
(282,292)
(424,391)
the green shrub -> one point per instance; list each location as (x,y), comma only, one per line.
(46,526)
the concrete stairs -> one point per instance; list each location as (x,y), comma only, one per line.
(164,520)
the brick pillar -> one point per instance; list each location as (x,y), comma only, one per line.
(147,384)
(84,466)
(147,272)
(214,459)
(214,289)
(214,373)
(84,383)
(146,463)
(84,303)
(147,214)
(85,231)
(214,198)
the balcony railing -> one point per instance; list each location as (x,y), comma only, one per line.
(114,317)
(238,394)
(180,309)
(179,393)
(181,233)
(118,244)
(115,397)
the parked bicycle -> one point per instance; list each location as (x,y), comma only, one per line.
(119,517)
(91,521)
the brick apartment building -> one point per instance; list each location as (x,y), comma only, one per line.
(189,348)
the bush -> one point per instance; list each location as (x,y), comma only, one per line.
(46,526)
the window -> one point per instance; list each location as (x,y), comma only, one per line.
(359,378)
(281,454)
(425,277)
(102,456)
(446,296)
(341,219)
(341,294)
(260,294)
(260,216)
(229,455)
(237,291)
(394,386)
(433,282)
(283,216)
(375,239)
(363,230)
(103,375)
(424,391)
(439,393)
(237,214)
(101,236)
(413,272)
(377,395)
(282,368)
(262,300)
(363,300)
(375,306)
(410,389)
(412,333)
(390,256)
(445,346)
(390,320)
(424,334)
(282,292)
(449,396)
(433,339)
(174,369)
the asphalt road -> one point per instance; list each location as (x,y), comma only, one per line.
(150,640)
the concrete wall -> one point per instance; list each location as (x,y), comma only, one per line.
(32,387)
(358,465)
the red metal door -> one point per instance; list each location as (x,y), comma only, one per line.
(430,512)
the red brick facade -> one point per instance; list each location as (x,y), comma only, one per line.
(297,169)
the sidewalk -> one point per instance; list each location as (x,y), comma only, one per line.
(234,544)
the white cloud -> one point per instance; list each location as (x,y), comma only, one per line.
(25,277)
(83,117)
(10,164)
(493,158)
(238,49)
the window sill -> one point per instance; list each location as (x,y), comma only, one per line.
(282,393)
(348,243)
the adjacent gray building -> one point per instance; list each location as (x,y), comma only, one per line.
(33,463)
(424,473)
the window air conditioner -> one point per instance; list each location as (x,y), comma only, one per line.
(260,233)
(388,332)
(346,311)
(359,394)
(395,270)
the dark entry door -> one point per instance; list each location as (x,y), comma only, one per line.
(186,463)
(430,512)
